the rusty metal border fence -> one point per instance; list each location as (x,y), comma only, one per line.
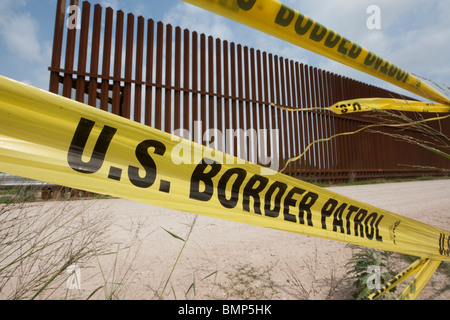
(191,84)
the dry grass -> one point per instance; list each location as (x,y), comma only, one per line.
(39,241)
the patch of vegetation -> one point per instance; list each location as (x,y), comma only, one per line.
(359,264)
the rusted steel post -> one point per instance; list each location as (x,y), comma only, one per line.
(57,45)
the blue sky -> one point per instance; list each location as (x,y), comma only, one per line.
(414,34)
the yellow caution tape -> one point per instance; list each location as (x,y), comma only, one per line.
(373,104)
(418,283)
(415,267)
(370,104)
(422,268)
(283,22)
(50,138)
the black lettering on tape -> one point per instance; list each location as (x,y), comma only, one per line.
(318,32)
(76,150)
(147,162)
(305,207)
(351,210)
(355,51)
(378,237)
(246,5)
(338,221)
(231,183)
(445,251)
(402,75)
(358,221)
(365,226)
(280,189)
(342,48)
(378,62)
(406,78)
(235,189)
(164,186)
(374,227)
(441,244)
(285,16)
(385,67)
(250,191)
(300,28)
(392,71)
(115,173)
(370,59)
(201,175)
(444,245)
(332,39)
(357,106)
(290,202)
(369,225)
(327,211)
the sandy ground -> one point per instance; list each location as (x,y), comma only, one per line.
(227,260)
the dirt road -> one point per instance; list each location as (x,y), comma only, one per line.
(227,260)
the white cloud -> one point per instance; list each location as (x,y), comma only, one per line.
(415,34)
(6,4)
(19,31)
(195,19)
(20,34)
(111,3)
